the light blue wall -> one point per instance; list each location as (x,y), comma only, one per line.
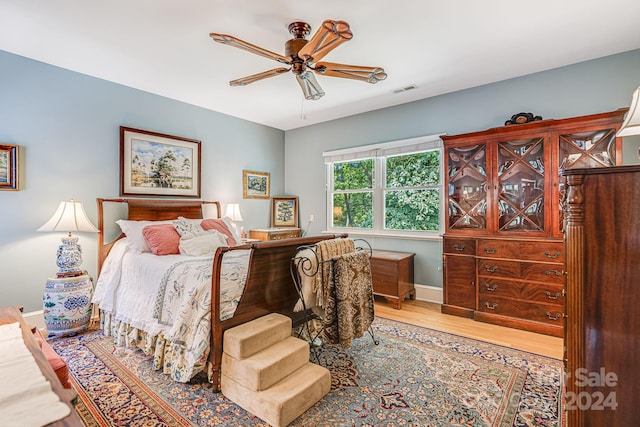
(67,127)
(591,87)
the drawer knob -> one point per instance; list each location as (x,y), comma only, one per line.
(491,250)
(554,255)
(491,288)
(550,272)
(556,296)
(554,316)
(491,306)
(491,269)
(459,248)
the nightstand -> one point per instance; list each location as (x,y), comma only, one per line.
(275,233)
(67,304)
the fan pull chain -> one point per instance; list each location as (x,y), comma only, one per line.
(302,116)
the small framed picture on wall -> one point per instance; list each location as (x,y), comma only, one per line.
(255,185)
(284,212)
(8,167)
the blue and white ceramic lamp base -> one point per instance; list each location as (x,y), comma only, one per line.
(67,305)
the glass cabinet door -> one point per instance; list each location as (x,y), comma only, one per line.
(583,150)
(521,185)
(467,192)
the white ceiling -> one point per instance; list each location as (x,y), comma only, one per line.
(440,46)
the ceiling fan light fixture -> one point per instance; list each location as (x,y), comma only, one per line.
(310,86)
(302,57)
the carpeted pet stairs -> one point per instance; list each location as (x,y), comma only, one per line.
(267,371)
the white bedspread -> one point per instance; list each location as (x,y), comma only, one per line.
(169,295)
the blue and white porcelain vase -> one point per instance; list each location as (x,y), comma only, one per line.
(67,304)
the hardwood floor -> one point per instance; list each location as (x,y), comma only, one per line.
(428,314)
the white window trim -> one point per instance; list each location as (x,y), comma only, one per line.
(379,152)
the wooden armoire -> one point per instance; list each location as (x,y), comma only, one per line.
(602,262)
(503,246)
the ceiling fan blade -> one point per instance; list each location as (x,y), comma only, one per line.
(355,72)
(241,44)
(330,35)
(310,87)
(255,77)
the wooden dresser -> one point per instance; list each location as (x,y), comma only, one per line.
(602,340)
(503,245)
(265,234)
(392,276)
(12,315)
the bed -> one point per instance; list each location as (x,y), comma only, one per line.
(176,306)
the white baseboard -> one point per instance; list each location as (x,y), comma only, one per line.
(36,318)
(429,293)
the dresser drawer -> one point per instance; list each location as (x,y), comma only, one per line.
(535,292)
(538,272)
(523,250)
(537,312)
(459,246)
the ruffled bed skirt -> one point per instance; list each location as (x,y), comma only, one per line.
(172,358)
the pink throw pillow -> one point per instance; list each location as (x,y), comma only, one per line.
(163,239)
(221,226)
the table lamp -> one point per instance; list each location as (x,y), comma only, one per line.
(631,125)
(233,213)
(69,216)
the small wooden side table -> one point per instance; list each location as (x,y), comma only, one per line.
(392,275)
(266,234)
(67,304)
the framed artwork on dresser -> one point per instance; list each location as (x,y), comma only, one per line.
(8,167)
(284,212)
(158,165)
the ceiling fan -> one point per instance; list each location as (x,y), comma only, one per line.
(303,55)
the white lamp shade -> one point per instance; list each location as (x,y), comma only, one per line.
(70,216)
(631,125)
(233,212)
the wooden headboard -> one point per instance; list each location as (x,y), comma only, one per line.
(149,210)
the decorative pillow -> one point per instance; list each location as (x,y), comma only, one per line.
(188,228)
(223,227)
(162,239)
(204,244)
(133,231)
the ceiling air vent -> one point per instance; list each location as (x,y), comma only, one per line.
(404,89)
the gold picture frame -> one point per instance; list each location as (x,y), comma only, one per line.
(158,165)
(9,167)
(255,185)
(284,212)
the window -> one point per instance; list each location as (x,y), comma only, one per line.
(394,188)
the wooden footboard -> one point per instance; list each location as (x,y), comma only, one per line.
(269,289)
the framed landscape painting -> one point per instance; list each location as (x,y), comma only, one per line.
(8,167)
(158,165)
(255,185)
(284,212)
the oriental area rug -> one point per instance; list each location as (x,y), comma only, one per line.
(414,377)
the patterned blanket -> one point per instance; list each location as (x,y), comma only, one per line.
(348,299)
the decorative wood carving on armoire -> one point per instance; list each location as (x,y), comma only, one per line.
(602,337)
(503,246)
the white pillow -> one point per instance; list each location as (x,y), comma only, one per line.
(204,244)
(188,228)
(133,231)
(234,230)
